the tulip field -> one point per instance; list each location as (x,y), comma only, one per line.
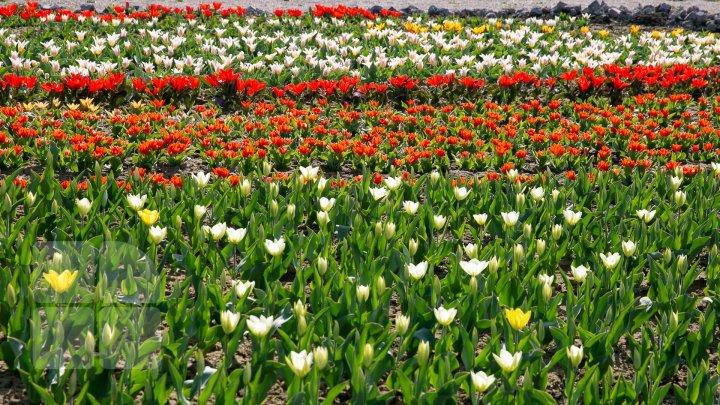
(198,205)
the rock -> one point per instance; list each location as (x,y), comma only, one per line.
(663,8)
(376,9)
(614,13)
(87,7)
(698,18)
(536,12)
(596,9)
(252,11)
(491,14)
(438,12)
(411,10)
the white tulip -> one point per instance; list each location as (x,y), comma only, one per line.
(235,235)
(510,218)
(579,273)
(229,321)
(83,206)
(461,193)
(480,219)
(157,234)
(507,361)
(445,316)
(610,260)
(136,202)
(326,204)
(481,381)
(218,231)
(417,271)
(439,221)
(378,193)
(628,248)
(242,288)
(276,247)
(646,215)
(300,363)
(199,211)
(411,207)
(571,217)
(201,178)
(473,267)
(259,327)
(537,194)
(309,173)
(393,183)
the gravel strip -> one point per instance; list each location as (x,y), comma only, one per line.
(692,14)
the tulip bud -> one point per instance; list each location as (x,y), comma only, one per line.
(274,208)
(299,308)
(321,183)
(520,200)
(575,355)
(680,198)
(247,374)
(30,199)
(473,285)
(667,256)
(59,331)
(540,246)
(527,231)
(380,285)
(290,210)
(557,231)
(199,211)
(378,228)
(362,292)
(413,246)
(301,326)
(682,263)
(678,171)
(245,187)
(266,168)
(423,353)
(512,175)
(402,323)
(322,265)
(389,230)
(547,291)
(673,320)
(89,343)
(320,357)
(555,194)
(493,265)
(368,352)
(518,252)
(57,261)
(178,222)
(434,176)
(471,250)
(108,335)
(675,182)
(11,297)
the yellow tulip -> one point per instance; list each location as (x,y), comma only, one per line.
(60,282)
(517,318)
(149,217)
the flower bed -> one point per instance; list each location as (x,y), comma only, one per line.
(344,205)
